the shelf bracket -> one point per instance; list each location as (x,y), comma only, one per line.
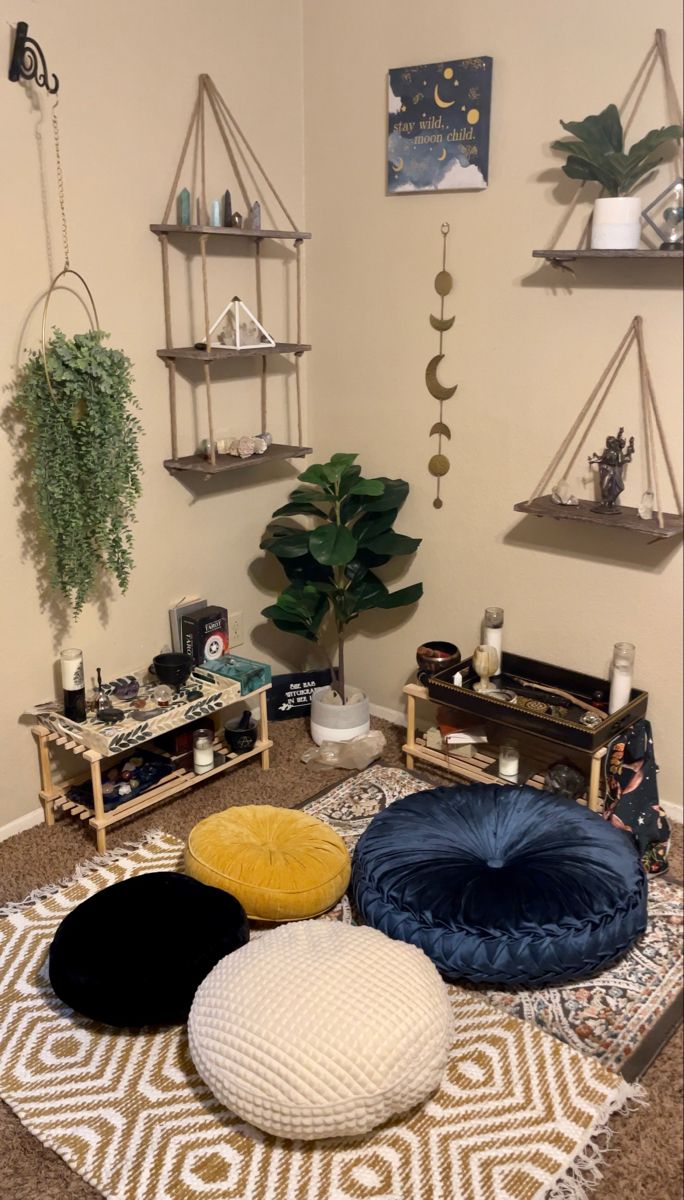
(28,61)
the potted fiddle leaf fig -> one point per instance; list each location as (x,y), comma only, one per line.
(331,568)
(596,151)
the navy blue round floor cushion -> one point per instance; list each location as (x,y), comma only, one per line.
(501,885)
(135,953)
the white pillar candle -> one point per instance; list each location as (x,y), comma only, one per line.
(621,676)
(202,751)
(509,761)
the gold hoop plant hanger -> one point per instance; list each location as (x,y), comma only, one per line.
(67,268)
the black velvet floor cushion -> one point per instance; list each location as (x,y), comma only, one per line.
(501,885)
(136,952)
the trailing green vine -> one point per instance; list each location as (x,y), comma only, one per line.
(81,442)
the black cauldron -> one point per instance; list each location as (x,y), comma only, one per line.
(172,668)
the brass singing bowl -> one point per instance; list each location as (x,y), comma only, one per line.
(436,656)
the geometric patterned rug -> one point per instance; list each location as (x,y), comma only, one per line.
(519,1115)
(623,1016)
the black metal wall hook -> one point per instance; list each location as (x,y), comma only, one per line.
(28,61)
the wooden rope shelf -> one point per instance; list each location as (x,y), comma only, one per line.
(210,103)
(660,524)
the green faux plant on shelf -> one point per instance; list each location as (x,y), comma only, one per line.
(597,152)
(80,437)
(331,567)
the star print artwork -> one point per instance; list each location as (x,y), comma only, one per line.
(438,126)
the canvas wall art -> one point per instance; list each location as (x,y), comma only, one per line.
(438,126)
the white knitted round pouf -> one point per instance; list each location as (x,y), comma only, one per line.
(321,1030)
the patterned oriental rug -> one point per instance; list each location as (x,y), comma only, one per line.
(520,1115)
(622,1017)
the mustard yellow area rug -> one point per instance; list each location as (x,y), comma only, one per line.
(519,1116)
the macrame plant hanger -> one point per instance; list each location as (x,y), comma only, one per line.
(235,144)
(651,425)
(657,53)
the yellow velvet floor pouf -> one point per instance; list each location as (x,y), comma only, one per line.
(280,863)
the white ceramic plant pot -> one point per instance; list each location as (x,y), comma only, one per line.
(338,722)
(616,223)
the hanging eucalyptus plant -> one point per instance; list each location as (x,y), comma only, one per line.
(80,435)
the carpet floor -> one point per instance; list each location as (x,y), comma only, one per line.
(645,1154)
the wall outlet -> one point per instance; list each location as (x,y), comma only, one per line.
(236,634)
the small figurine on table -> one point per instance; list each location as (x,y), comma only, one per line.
(611,464)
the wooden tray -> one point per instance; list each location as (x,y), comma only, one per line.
(568,730)
(217,692)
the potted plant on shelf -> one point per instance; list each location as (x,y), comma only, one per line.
(331,573)
(72,419)
(596,152)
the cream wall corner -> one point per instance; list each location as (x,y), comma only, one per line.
(525,353)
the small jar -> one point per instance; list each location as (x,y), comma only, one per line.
(202,751)
(492,632)
(621,675)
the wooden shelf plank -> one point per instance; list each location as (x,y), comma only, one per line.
(228,462)
(171,785)
(215,355)
(571,255)
(627,518)
(285,235)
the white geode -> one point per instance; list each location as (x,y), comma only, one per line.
(562,494)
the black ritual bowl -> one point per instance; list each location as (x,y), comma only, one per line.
(172,669)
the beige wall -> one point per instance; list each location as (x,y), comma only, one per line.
(525,349)
(524,356)
(128,75)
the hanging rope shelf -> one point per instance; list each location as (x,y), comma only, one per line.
(560,258)
(210,103)
(566,507)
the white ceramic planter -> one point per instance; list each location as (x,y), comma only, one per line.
(338,722)
(616,223)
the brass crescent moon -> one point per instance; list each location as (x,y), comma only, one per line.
(438,99)
(432,383)
(441,323)
(440,427)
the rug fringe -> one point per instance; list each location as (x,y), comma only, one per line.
(586,1169)
(81,870)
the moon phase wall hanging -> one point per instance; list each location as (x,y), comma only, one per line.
(439,463)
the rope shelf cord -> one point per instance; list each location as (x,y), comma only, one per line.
(244,162)
(653,432)
(657,53)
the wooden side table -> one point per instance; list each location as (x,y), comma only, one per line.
(473,768)
(54,797)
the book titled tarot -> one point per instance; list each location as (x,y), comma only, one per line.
(438,126)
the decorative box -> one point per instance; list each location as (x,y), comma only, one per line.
(535,710)
(248,673)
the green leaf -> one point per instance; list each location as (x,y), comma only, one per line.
(286,543)
(333,545)
(371,524)
(579,168)
(368,487)
(603,130)
(299,508)
(403,596)
(316,473)
(305,569)
(344,460)
(394,495)
(394,543)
